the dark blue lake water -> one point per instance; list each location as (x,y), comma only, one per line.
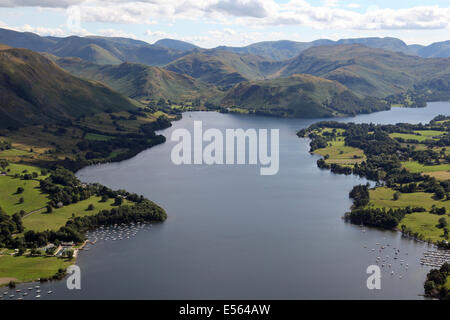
(234,234)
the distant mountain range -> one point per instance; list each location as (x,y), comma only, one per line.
(101,50)
(283,78)
(366,71)
(105,50)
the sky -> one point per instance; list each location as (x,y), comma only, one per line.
(210,23)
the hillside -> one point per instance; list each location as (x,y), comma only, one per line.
(101,50)
(113,50)
(223,68)
(26,40)
(139,81)
(176,44)
(285,49)
(276,50)
(436,50)
(298,96)
(364,70)
(35,90)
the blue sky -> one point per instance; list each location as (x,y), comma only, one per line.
(209,23)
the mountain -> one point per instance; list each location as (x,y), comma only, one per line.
(26,40)
(436,50)
(364,70)
(104,50)
(285,49)
(101,50)
(34,90)
(139,81)
(275,50)
(223,68)
(303,96)
(176,44)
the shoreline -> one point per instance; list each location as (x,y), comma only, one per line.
(85,242)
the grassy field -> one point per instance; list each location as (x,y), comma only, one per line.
(440,175)
(383,197)
(96,137)
(9,200)
(430,133)
(341,154)
(24,268)
(409,136)
(421,135)
(422,222)
(414,166)
(41,221)
(17,168)
(10,153)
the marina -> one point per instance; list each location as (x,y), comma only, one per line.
(435,258)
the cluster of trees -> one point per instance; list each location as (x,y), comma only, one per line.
(348,103)
(380,217)
(435,284)
(360,195)
(62,186)
(9,225)
(5,145)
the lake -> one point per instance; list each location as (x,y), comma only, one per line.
(234,234)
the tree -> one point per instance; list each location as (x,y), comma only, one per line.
(90,207)
(429,285)
(69,254)
(118,201)
(3,164)
(442,223)
(49,209)
(21,200)
(396,195)
(20,190)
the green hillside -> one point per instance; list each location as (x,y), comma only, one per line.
(366,71)
(298,96)
(34,89)
(139,81)
(176,44)
(223,68)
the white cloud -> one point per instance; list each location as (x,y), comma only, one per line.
(330,3)
(244,8)
(354,5)
(156,35)
(331,14)
(40,3)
